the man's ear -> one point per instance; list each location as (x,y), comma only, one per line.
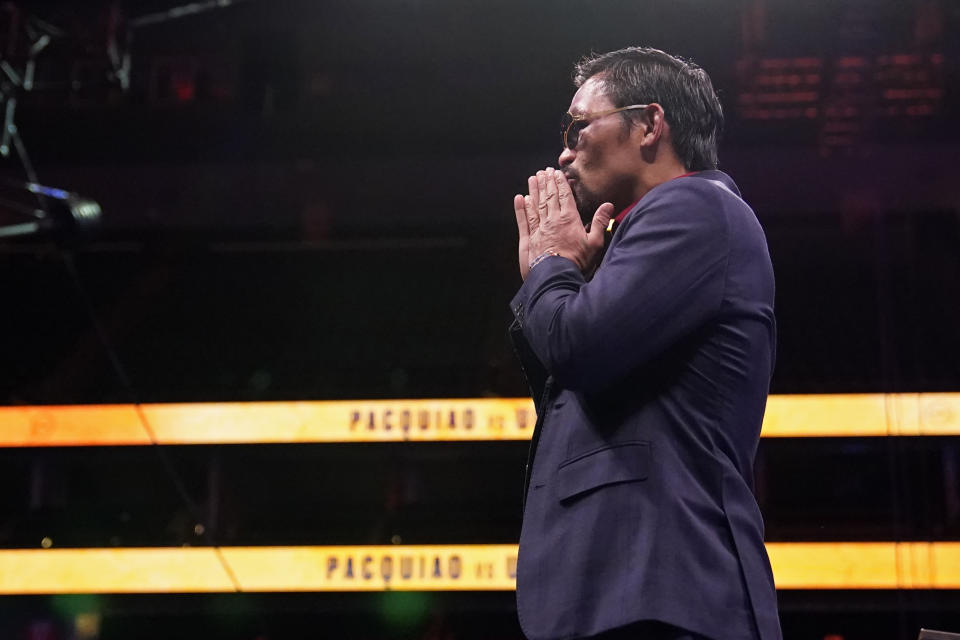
(652,126)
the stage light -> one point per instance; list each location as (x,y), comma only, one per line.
(46,209)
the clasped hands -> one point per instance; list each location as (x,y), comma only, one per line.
(550,224)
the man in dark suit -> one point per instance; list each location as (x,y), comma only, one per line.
(649,345)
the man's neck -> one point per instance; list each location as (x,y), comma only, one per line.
(656,174)
(626,209)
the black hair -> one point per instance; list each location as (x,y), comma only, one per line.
(641,75)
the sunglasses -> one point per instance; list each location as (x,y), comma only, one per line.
(572,125)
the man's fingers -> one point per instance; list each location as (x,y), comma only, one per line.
(520,207)
(598,226)
(533,189)
(521,212)
(542,194)
(530,205)
(565,195)
(552,196)
(568,205)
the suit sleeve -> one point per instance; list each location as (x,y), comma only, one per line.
(661,280)
(533,369)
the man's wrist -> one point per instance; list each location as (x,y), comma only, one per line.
(543,256)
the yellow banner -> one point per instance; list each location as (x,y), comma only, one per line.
(480,419)
(344,421)
(80,425)
(796,565)
(375,568)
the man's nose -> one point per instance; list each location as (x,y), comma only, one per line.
(566,157)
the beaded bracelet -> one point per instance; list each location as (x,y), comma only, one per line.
(543,256)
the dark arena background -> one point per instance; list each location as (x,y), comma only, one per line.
(254,364)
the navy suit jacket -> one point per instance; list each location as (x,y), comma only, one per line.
(651,381)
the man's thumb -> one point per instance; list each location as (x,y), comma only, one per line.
(601,219)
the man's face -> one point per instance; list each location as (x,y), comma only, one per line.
(604,165)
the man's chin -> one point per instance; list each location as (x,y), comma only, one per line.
(587,203)
(578,196)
